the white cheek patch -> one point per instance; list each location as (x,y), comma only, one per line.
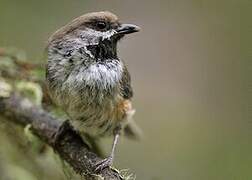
(108,34)
(97,34)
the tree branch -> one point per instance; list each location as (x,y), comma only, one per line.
(70,146)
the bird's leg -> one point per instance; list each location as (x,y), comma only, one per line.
(109,160)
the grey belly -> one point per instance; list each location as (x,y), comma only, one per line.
(95,120)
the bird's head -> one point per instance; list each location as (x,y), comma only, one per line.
(96,33)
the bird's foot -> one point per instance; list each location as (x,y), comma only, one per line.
(105,163)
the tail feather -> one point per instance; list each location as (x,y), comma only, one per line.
(132,131)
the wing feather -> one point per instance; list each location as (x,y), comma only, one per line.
(131,130)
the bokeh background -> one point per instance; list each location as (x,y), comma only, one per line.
(191,77)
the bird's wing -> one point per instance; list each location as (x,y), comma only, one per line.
(131,130)
(125,84)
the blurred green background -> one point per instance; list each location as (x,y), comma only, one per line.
(191,76)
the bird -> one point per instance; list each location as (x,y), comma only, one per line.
(86,78)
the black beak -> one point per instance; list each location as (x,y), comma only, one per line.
(127,29)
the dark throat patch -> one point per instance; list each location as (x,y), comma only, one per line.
(105,49)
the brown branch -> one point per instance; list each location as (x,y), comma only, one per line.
(70,146)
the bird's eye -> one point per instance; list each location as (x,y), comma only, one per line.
(101,25)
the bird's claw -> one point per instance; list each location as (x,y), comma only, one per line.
(100,165)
